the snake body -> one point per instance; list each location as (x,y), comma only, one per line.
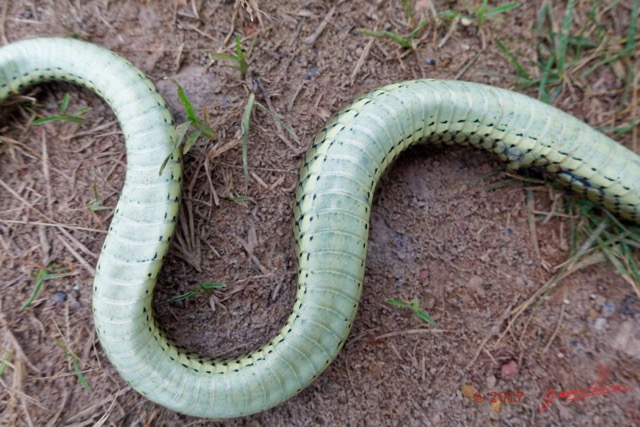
(331,213)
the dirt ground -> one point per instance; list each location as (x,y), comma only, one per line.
(439,233)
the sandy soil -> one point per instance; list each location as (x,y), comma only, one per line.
(440,233)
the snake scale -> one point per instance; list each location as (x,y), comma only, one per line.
(331,213)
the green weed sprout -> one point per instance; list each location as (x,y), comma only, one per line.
(63,116)
(480,16)
(414,305)
(201,127)
(238,57)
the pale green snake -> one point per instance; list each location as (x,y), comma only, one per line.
(331,213)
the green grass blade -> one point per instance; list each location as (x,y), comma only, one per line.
(81,111)
(246,118)
(6,358)
(388,34)
(414,305)
(424,316)
(202,287)
(413,34)
(186,295)
(191,140)
(65,103)
(565,35)
(406,6)
(543,91)
(398,303)
(74,363)
(520,71)
(76,369)
(72,119)
(452,14)
(242,63)
(280,122)
(502,8)
(186,102)
(619,130)
(181,130)
(211,286)
(204,127)
(222,56)
(43,275)
(629,48)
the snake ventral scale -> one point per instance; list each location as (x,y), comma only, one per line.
(331,213)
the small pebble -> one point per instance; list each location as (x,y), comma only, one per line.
(629,305)
(475,282)
(491,381)
(509,371)
(576,345)
(600,323)
(608,308)
(313,70)
(59,297)
(430,61)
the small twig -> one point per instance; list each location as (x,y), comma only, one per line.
(77,256)
(494,330)
(45,171)
(532,227)
(46,224)
(467,65)
(20,354)
(90,410)
(199,31)
(411,332)
(363,57)
(247,247)
(452,29)
(3,20)
(310,40)
(557,328)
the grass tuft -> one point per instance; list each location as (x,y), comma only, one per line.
(73,117)
(43,274)
(597,236)
(480,15)
(201,126)
(239,57)
(406,42)
(564,56)
(75,365)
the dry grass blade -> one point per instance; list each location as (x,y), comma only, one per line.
(310,40)
(405,332)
